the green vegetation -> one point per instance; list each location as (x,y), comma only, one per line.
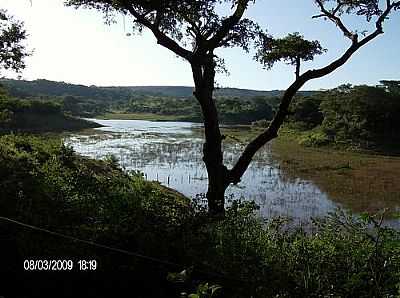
(37,116)
(357,117)
(12,36)
(46,184)
(362,114)
(231,110)
(19,115)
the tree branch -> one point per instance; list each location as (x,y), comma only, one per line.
(334,18)
(271,132)
(228,24)
(161,37)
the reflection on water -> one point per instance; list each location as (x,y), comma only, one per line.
(171,153)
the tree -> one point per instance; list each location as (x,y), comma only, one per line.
(12,51)
(193,30)
(293,49)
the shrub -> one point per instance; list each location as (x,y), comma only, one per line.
(340,256)
(314,138)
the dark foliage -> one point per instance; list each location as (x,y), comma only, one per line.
(360,116)
(12,50)
(292,49)
(19,115)
(361,113)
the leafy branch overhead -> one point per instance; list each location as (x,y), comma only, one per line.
(12,51)
(292,49)
(186,27)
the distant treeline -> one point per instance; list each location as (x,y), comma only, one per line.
(50,89)
(232,110)
(236,104)
(80,100)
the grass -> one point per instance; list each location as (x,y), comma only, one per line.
(359,181)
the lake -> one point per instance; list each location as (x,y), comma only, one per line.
(171,153)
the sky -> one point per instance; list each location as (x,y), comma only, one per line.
(75,46)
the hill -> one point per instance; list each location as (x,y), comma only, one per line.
(51,89)
(185,91)
(46,88)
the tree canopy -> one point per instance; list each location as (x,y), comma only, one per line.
(292,49)
(12,35)
(189,28)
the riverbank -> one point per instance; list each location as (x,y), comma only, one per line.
(359,181)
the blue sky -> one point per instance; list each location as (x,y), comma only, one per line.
(76,46)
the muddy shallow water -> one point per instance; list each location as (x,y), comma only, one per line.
(171,153)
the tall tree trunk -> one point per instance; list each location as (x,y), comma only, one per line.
(204,75)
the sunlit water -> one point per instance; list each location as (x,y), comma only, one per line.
(171,153)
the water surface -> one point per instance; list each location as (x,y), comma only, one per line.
(171,153)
